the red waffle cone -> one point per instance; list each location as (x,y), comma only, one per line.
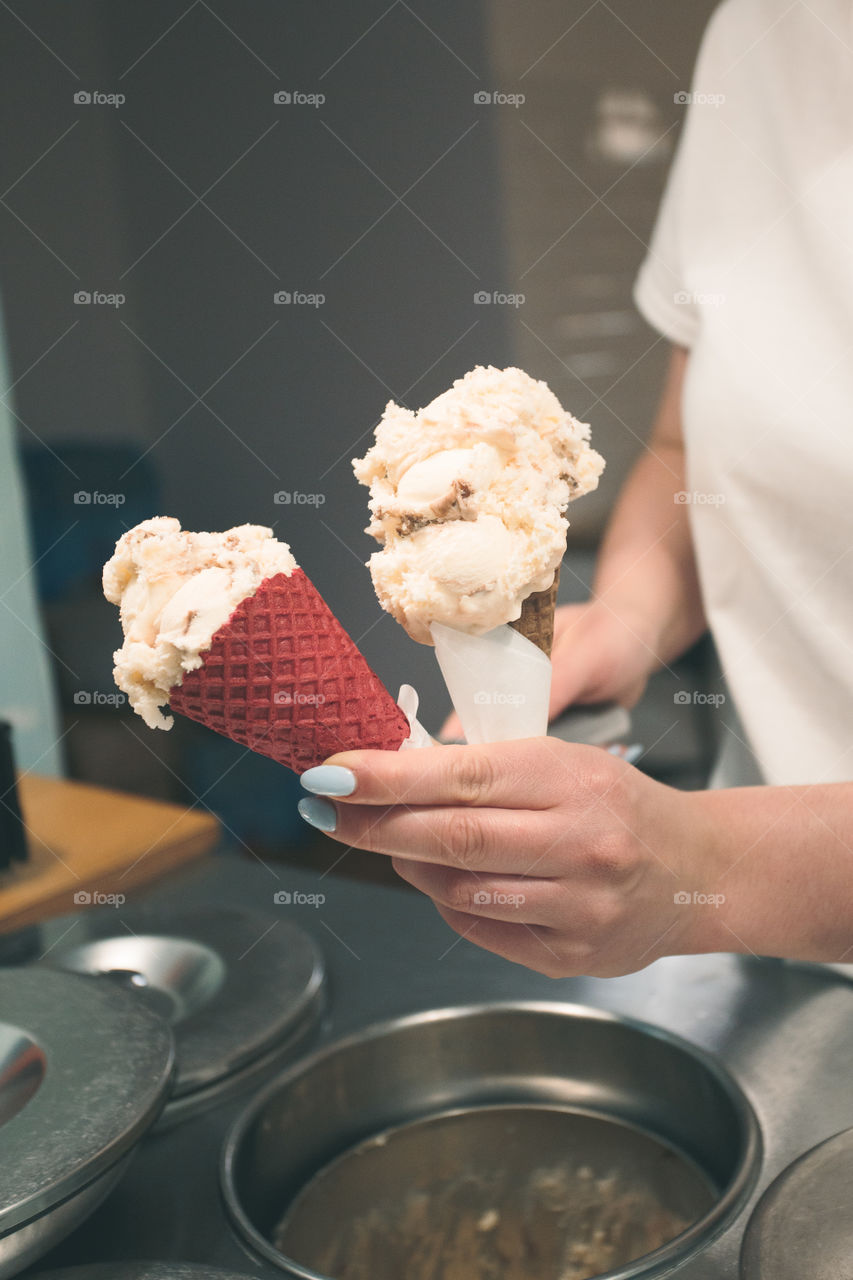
(284,678)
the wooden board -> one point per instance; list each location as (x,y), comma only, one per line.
(88,840)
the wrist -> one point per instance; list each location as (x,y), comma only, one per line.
(786,885)
(705,889)
(638,625)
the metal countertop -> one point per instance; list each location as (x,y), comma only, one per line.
(784,1032)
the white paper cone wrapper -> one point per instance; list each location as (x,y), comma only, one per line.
(500,682)
(407,701)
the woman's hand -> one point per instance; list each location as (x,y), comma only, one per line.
(559,857)
(598,656)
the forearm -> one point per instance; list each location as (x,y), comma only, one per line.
(782,857)
(646,572)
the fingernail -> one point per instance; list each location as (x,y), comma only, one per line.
(318,813)
(329,780)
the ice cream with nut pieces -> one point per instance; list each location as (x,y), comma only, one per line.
(468,498)
(175,589)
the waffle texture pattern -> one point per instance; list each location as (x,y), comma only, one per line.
(283,678)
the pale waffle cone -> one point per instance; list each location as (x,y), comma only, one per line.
(283,678)
(537,616)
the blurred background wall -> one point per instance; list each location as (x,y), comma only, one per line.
(231,232)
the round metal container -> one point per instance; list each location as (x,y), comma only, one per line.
(84,1072)
(241,990)
(803,1224)
(651,1087)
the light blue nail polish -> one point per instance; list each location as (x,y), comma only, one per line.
(329,780)
(318,813)
(630,754)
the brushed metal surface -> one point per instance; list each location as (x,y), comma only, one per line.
(780,1030)
(107,1068)
(803,1224)
(234,984)
(496,1054)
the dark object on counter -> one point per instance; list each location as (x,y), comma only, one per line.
(803,1225)
(13,834)
(84,1073)
(592,1065)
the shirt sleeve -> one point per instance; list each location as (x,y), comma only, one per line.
(662,291)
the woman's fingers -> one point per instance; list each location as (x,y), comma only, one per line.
(502,841)
(533,773)
(516,899)
(534,947)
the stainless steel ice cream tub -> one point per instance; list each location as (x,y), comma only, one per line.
(446,1119)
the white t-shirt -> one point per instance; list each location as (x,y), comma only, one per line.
(751,267)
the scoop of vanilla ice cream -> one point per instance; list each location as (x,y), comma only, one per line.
(467,499)
(174,590)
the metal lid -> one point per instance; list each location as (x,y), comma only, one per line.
(803,1225)
(84,1072)
(234,984)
